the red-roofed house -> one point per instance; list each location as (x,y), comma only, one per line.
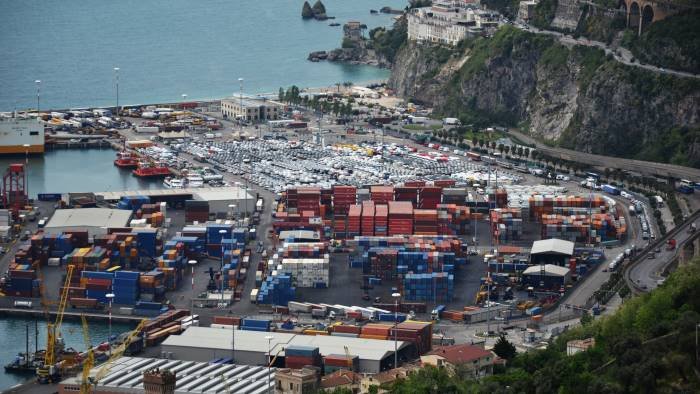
(471,357)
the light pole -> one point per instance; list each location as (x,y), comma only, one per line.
(240,101)
(110,296)
(192,263)
(231,207)
(38,95)
(116,78)
(269,351)
(396,297)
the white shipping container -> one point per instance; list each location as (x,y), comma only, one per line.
(54,262)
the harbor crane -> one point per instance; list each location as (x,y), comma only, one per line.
(89,361)
(117,353)
(48,373)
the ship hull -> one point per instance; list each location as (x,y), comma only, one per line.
(20,149)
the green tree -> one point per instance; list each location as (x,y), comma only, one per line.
(504,349)
(501,148)
(280,95)
(527,152)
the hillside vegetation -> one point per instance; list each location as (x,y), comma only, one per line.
(673,43)
(575,97)
(648,346)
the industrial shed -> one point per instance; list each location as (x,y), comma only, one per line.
(206,343)
(547,276)
(126,376)
(220,198)
(94,220)
(551,251)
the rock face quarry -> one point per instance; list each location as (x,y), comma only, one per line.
(572,96)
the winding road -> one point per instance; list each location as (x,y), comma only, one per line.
(622,55)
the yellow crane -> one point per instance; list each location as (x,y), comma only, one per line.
(89,361)
(48,373)
(117,353)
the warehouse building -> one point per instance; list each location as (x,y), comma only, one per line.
(94,220)
(221,198)
(551,251)
(251,347)
(251,109)
(548,276)
(126,375)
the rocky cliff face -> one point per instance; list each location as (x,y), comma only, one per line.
(575,97)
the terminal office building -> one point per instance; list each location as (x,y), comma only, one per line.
(251,109)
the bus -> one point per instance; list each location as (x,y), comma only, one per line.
(474,156)
(686,187)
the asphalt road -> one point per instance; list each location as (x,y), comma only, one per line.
(646,274)
(643,167)
(620,54)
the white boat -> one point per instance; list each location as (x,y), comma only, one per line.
(194,181)
(173,183)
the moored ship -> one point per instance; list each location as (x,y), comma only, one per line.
(21,135)
(126,160)
(151,169)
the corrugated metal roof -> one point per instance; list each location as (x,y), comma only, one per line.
(549,270)
(254,341)
(126,375)
(553,245)
(89,217)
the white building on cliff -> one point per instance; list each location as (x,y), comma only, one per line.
(450,21)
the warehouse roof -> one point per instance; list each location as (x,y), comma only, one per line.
(89,217)
(254,341)
(549,270)
(126,375)
(221,194)
(553,245)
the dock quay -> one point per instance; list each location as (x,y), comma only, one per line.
(72,315)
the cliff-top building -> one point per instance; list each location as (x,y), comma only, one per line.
(450,21)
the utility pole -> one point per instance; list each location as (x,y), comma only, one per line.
(38,95)
(116,78)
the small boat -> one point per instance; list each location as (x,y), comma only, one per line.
(126,160)
(373,11)
(173,183)
(150,169)
(334,24)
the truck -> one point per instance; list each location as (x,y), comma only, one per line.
(611,190)
(451,121)
(671,244)
(417,119)
(437,312)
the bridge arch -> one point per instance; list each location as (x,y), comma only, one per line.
(647,17)
(633,15)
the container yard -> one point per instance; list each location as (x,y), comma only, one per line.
(334,251)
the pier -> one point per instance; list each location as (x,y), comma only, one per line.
(72,315)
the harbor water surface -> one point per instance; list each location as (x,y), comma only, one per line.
(78,170)
(12,339)
(168,48)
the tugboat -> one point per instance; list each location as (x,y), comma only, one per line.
(148,169)
(126,160)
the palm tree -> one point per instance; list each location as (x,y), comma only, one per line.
(501,147)
(527,152)
(507,149)
(481,143)
(475,141)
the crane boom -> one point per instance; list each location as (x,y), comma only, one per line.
(89,361)
(47,372)
(102,372)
